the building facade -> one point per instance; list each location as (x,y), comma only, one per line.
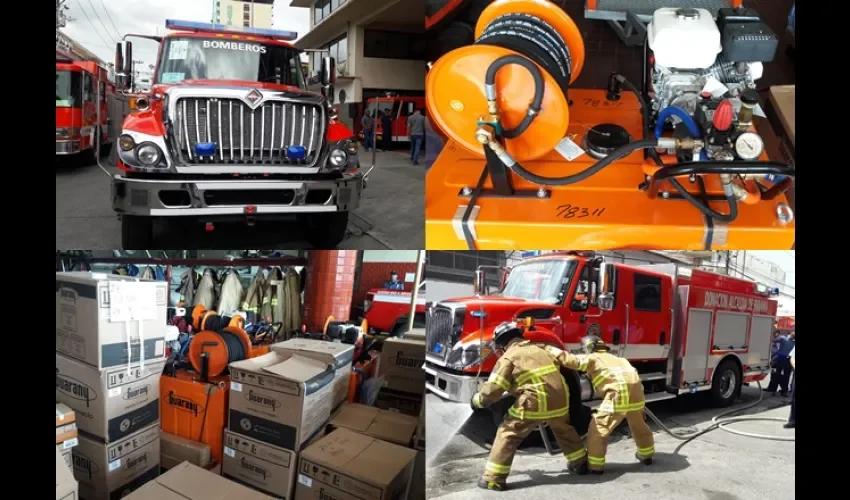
(249,13)
(379,47)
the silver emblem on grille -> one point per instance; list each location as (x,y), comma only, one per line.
(253,98)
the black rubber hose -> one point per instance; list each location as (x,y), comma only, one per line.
(702,207)
(736,167)
(615,155)
(536,102)
(235,347)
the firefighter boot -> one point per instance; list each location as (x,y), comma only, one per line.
(508,437)
(571,445)
(491,485)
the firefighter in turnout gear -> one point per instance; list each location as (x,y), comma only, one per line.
(529,373)
(616,380)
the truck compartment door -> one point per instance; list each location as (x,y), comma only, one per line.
(759,343)
(697,346)
(730,331)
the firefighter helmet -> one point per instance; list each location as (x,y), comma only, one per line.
(592,343)
(506,332)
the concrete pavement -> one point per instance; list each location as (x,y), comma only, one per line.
(715,466)
(391,214)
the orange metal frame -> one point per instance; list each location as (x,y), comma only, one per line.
(604,212)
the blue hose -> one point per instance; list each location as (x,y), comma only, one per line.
(679,113)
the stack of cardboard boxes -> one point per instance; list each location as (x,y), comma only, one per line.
(400,364)
(279,402)
(110,352)
(66,432)
(66,486)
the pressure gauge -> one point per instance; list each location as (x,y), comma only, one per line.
(749,146)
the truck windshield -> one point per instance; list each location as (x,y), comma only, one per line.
(68,91)
(189,58)
(539,280)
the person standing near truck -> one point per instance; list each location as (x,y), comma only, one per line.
(368,124)
(528,372)
(792,418)
(416,132)
(617,381)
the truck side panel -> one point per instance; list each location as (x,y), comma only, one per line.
(695,363)
(760,337)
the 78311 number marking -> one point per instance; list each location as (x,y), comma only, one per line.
(570,211)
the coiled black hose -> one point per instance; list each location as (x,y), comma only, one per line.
(537,42)
(235,347)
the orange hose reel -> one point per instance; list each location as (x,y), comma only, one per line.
(455,85)
(215,344)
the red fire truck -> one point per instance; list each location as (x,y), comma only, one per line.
(685,331)
(229,132)
(388,311)
(77,83)
(400,107)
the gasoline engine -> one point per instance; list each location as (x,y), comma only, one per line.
(697,104)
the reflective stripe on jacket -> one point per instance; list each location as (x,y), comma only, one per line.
(528,372)
(613,378)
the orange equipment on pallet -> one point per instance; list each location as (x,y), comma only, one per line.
(531,159)
(195,410)
(220,340)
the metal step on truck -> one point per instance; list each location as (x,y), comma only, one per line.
(229,132)
(684,330)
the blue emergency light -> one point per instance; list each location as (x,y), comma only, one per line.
(296,152)
(205,149)
(174,24)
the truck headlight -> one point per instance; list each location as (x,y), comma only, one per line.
(148,154)
(338,158)
(126,143)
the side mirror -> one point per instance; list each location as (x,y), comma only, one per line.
(480,282)
(606,287)
(124,66)
(328,78)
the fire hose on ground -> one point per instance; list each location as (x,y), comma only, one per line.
(719,421)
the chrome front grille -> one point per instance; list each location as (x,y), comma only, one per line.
(438,331)
(245,136)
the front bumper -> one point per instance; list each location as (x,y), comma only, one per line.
(451,386)
(173,198)
(67,147)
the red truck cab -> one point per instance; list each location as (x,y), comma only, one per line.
(77,83)
(388,311)
(229,132)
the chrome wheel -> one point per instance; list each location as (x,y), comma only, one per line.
(728,384)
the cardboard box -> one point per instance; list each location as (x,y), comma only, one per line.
(407,403)
(107,471)
(334,353)
(109,404)
(190,482)
(66,486)
(66,427)
(98,331)
(179,449)
(280,398)
(382,424)
(401,363)
(345,465)
(266,468)
(64,448)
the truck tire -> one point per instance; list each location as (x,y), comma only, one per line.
(105,149)
(400,326)
(725,384)
(136,232)
(326,231)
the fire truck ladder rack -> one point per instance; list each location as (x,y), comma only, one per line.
(719,421)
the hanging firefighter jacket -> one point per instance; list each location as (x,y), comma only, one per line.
(230,297)
(148,274)
(254,297)
(188,282)
(293,302)
(205,293)
(270,296)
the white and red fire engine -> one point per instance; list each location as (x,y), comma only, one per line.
(684,330)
